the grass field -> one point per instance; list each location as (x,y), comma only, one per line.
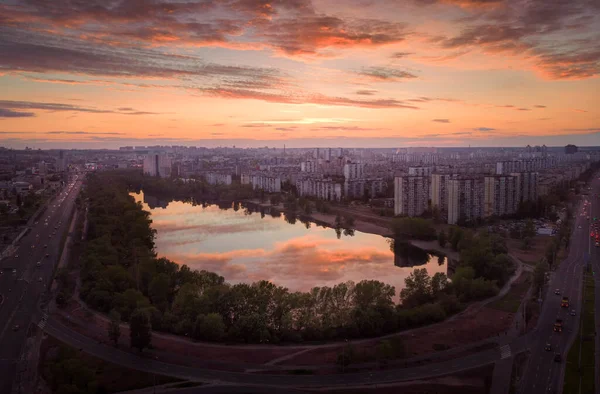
(512,300)
(576,374)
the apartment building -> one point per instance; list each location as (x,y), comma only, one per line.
(358,188)
(465,199)
(354,170)
(411,195)
(215,178)
(438,193)
(527,186)
(310,166)
(267,182)
(500,195)
(157,164)
(323,189)
(420,171)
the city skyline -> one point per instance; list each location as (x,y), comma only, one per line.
(302,73)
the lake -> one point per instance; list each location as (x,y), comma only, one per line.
(246,247)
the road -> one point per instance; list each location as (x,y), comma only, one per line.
(23,282)
(543,374)
(595,261)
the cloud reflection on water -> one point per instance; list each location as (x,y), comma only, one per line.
(247,248)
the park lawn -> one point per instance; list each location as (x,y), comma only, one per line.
(585,341)
(512,300)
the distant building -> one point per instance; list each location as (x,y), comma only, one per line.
(354,170)
(419,171)
(267,182)
(500,195)
(526,184)
(571,149)
(439,193)
(411,195)
(465,200)
(323,189)
(310,166)
(215,178)
(157,164)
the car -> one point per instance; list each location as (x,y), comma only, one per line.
(557,291)
(47,255)
(39,263)
(40,279)
(14,270)
(45,246)
(16,256)
(573,313)
(16,327)
(548,347)
(32,246)
(579,226)
(557,357)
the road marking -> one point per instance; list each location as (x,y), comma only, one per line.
(505,352)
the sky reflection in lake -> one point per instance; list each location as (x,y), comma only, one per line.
(248,248)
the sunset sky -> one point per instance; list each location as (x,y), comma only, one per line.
(352,73)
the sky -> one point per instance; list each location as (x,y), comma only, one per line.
(305,73)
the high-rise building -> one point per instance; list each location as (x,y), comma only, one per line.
(439,193)
(309,166)
(328,154)
(157,164)
(570,149)
(354,170)
(526,184)
(465,199)
(500,195)
(61,163)
(419,171)
(411,195)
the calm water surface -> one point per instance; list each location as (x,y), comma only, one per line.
(244,247)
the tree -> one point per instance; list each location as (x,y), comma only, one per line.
(140,330)
(417,289)
(529,230)
(442,238)
(114,328)
(526,243)
(439,282)
(539,273)
(209,327)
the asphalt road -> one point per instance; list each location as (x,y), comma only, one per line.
(22,282)
(543,374)
(595,261)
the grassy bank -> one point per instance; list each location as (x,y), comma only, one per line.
(577,374)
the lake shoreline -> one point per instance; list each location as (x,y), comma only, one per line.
(328,220)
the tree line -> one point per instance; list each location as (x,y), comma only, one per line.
(122,275)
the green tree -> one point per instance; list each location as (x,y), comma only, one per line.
(114,327)
(417,288)
(442,238)
(209,327)
(539,273)
(529,230)
(159,290)
(140,330)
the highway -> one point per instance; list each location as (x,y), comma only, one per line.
(27,275)
(543,373)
